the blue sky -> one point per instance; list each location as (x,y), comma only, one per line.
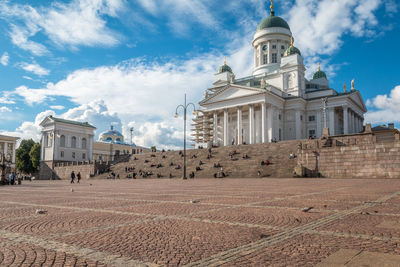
(128,63)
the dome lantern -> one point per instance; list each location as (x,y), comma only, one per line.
(319,74)
(272,21)
(292,49)
(225,68)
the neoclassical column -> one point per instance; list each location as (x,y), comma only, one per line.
(270,123)
(251,124)
(345,120)
(13,151)
(5,148)
(264,137)
(90,144)
(215,121)
(239,125)
(298,125)
(226,141)
(352,122)
(319,124)
(332,121)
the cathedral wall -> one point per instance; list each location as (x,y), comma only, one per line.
(353,156)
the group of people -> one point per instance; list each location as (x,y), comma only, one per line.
(77,176)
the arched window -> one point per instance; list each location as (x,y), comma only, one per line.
(62,141)
(73,142)
(109,139)
(84,143)
(118,139)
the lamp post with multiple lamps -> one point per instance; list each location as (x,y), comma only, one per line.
(185,106)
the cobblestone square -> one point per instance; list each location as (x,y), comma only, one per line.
(200,222)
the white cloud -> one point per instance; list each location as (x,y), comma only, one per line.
(385,108)
(20,37)
(4,59)
(319,26)
(4,109)
(28,129)
(34,68)
(77,23)
(57,107)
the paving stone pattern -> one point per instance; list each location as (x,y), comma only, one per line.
(232,222)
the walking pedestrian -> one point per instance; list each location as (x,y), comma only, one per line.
(11,178)
(72,177)
(78,176)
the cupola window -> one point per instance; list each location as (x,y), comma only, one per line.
(265,59)
(274,58)
(273,46)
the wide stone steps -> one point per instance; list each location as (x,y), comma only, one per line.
(276,153)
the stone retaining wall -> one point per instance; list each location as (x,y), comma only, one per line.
(63,171)
(365,155)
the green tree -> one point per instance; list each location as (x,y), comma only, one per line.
(34,154)
(23,160)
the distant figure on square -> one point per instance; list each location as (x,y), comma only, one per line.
(72,177)
(79,176)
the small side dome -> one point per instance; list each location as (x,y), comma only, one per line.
(272,21)
(225,68)
(319,74)
(292,50)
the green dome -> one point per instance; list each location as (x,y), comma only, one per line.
(291,51)
(319,74)
(273,21)
(224,68)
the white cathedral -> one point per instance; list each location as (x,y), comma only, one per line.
(277,102)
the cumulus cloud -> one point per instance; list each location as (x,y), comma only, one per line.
(4,59)
(319,26)
(80,22)
(29,129)
(384,108)
(34,68)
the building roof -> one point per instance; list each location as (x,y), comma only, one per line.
(84,124)
(291,51)
(112,132)
(272,21)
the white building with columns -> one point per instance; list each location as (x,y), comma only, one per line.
(7,153)
(277,102)
(66,141)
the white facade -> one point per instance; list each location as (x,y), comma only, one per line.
(64,140)
(277,102)
(7,150)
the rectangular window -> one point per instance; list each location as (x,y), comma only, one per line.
(311,118)
(83,156)
(73,155)
(283,47)
(62,154)
(301,117)
(273,46)
(265,59)
(311,132)
(274,58)
(280,117)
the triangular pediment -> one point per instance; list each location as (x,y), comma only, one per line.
(46,121)
(232,92)
(357,98)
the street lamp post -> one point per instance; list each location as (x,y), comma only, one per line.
(185,107)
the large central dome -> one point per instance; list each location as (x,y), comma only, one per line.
(273,21)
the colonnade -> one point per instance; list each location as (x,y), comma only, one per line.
(266,128)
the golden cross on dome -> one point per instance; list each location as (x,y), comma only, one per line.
(291,41)
(272,6)
(225,60)
(319,69)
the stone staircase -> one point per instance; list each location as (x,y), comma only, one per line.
(235,167)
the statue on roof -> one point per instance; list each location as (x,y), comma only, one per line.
(352,85)
(344,87)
